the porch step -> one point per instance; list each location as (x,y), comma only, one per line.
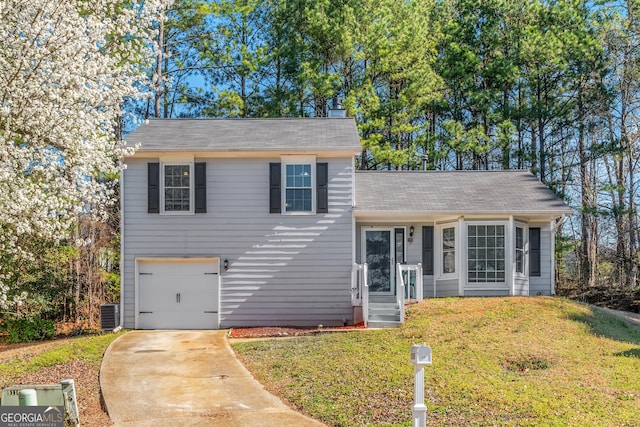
(387,313)
(377,324)
(386,299)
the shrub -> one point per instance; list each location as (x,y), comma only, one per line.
(29,329)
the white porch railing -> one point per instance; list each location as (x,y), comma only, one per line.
(411,277)
(360,289)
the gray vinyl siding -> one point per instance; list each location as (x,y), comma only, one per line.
(283,269)
(427,286)
(485,293)
(542,285)
(447,288)
(520,286)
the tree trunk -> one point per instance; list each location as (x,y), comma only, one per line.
(588,247)
(158,77)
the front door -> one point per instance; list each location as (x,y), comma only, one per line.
(378,254)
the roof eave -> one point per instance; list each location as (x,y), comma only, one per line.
(422,214)
(247,153)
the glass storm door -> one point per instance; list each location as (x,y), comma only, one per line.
(378,249)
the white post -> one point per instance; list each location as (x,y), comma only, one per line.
(420,356)
(419,408)
(70,401)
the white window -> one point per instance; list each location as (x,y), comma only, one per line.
(446,254)
(519,250)
(486,253)
(448,250)
(299,184)
(298,191)
(177,188)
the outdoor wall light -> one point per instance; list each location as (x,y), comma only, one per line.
(225,264)
(411,230)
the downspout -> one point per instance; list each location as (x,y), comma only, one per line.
(509,255)
(353,210)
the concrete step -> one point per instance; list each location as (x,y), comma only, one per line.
(384,318)
(384,313)
(387,299)
(381,324)
(383,305)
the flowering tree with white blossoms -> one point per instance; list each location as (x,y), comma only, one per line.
(66,66)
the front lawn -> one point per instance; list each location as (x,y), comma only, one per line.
(496,361)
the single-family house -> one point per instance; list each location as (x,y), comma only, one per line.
(266,222)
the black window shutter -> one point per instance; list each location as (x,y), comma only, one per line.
(153,187)
(322,181)
(274,188)
(201,187)
(427,250)
(534,251)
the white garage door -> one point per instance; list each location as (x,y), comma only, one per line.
(178,294)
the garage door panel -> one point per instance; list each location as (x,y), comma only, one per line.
(178,295)
(178,320)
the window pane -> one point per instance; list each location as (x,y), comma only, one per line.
(449,263)
(298,200)
(448,238)
(399,237)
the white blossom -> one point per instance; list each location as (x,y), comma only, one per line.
(65,69)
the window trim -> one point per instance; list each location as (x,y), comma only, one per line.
(439,250)
(192,200)
(297,160)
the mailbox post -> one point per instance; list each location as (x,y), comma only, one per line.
(420,357)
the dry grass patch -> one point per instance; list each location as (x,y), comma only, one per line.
(496,361)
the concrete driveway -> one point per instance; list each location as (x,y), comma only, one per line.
(186,378)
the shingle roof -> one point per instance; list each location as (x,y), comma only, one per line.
(247,134)
(480,192)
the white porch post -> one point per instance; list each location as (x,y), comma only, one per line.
(463,253)
(509,252)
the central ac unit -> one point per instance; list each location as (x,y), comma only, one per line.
(109,316)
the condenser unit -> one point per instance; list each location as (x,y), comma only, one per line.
(109,316)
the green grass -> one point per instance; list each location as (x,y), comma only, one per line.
(496,361)
(88,348)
